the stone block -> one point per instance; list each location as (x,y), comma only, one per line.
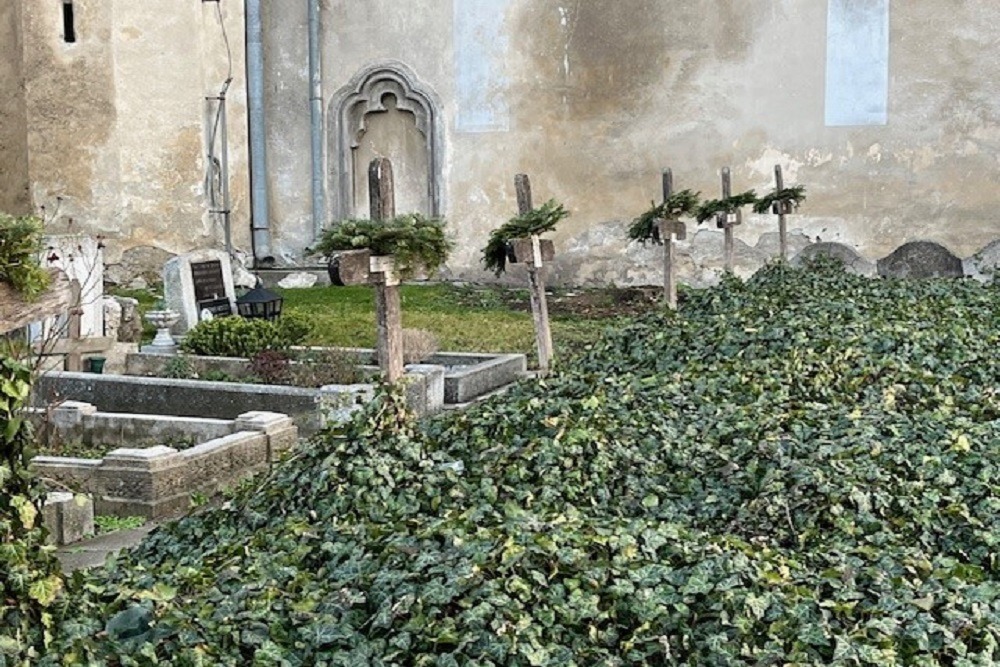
(921,259)
(145,482)
(280,442)
(985,264)
(77,519)
(68,517)
(265,422)
(70,414)
(426,391)
(337,403)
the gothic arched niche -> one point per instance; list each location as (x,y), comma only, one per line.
(385,112)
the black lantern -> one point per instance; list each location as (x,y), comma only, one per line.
(259,303)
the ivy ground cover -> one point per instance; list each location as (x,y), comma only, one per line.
(803,469)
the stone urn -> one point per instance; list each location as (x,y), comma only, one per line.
(163,320)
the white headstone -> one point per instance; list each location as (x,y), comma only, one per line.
(198,281)
(82,259)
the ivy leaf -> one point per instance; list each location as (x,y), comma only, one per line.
(44,591)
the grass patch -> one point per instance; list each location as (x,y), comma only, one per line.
(104,524)
(463,319)
(87,450)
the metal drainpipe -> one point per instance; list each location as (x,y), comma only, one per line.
(260,227)
(316,118)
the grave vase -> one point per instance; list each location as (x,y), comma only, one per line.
(163,319)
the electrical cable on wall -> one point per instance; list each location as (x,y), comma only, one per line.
(217,168)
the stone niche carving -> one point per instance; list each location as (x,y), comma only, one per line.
(386,112)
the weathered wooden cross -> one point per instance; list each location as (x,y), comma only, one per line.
(726,220)
(781,209)
(359,267)
(670,230)
(388,313)
(534,251)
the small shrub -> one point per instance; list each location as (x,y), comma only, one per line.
(239,337)
(220,376)
(179,368)
(270,367)
(418,344)
(20,246)
(325,367)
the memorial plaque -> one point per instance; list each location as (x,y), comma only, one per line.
(210,288)
(208,282)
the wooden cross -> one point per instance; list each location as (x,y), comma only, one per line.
(669,231)
(726,220)
(536,278)
(388,312)
(782,208)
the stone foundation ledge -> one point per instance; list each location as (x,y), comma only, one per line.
(158,482)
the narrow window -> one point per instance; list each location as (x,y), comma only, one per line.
(69,27)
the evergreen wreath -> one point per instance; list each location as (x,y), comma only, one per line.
(536,221)
(413,239)
(645,229)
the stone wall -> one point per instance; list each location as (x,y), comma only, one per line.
(593,99)
(14,196)
(118,123)
(888,112)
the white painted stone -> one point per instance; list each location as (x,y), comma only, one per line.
(112,317)
(298,280)
(242,277)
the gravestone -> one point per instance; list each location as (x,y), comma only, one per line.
(853,262)
(196,282)
(921,259)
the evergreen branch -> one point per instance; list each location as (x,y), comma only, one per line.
(645,228)
(536,221)
(413,239)
(713,207)
(796,195)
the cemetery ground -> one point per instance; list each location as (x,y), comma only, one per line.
(799,469)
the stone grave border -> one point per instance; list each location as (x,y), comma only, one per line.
(158,482)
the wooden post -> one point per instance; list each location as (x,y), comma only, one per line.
(782,228)
(667,230)
(388,313)
(536,278)
(727,192)
(74,360)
